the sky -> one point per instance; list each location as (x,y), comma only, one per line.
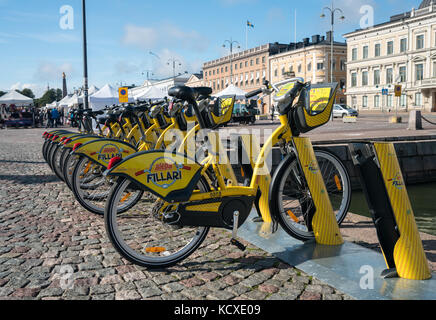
(41,39)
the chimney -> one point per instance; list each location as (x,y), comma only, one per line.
(329,36)
(306,41)
(315,38)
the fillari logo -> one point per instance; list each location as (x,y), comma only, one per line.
(313,168)
(397,181)
(164,173)
(108,152)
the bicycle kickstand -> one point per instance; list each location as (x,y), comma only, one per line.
(234,240)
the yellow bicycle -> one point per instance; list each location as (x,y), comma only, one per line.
(193,196)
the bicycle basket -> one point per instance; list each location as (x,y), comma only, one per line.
(315,106)
(222,112)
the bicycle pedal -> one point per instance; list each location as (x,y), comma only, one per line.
(237,244)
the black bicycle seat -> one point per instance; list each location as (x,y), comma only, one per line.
(189,94)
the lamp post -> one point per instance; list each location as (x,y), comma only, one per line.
(231,43)
(332,11)
(174,61)
(85,58)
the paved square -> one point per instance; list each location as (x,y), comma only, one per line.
(51,248)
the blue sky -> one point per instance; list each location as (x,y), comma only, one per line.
(35,50)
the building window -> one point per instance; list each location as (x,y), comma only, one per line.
(246,64)
(240,65)
(226,69)
(354,54)
(390,101)
(403,100)
(343,64)
(354,102)
(263,59)
(320,66)
(364,102)
(418,99)
(377,102)
(420,42)
(377,50)
(376,77)
(309,66)
(222,69)
(434,69)
(419,72)
(364,78)
(365,52)
(334,64)
(389,76)
(354,79)
(257,60)
(299,68)
(390,49)
(276,73)
(403,45)
(403,74)
(283,71)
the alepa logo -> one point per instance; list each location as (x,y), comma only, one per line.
(397,181)
(164,172)
(312,166)
(108,152)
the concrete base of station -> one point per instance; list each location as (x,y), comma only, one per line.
(350,268)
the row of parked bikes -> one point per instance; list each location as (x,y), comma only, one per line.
(161,177)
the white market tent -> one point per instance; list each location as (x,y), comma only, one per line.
(64,102)
(16,98)
(106,96)
(231,91)
(92,90)
(151,93)
(74,100)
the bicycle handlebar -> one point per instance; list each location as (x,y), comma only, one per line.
(253,93)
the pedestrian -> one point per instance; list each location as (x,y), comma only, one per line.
(272,113)
(49,119)
(55,117)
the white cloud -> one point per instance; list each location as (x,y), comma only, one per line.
(37,90)
(48,71)
(167,35)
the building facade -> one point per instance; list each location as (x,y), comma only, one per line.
(196,80)
(245,69)
(402,52)
(311,60)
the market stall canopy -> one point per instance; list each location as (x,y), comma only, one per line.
(231,91)
(151,93)
(92,90)
(74,100)
(16,98)
(106,96)
(64,102)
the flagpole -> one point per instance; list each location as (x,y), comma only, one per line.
(246,36)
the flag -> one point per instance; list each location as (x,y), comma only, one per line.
(249,24)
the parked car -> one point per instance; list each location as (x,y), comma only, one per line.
(244,114)
(342,110)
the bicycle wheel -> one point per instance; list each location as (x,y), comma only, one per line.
(55,161)
(91,188)
(291,200)
(141,236)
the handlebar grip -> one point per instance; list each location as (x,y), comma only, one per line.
(253,93)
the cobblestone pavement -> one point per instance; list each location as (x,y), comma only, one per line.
(51,248)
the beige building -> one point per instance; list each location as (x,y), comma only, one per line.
(402,52)
(311,60)
(196,80)
(248,70)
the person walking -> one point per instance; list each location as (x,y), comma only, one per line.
(49,119)
(55,116)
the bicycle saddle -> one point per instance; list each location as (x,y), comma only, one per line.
(189,94)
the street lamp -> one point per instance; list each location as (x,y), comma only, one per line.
(332,12)
(231,43)
(174,61)
(85,57)
(149,73)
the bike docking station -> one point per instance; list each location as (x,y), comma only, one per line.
(401,272)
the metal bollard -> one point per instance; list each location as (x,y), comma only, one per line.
(415,120)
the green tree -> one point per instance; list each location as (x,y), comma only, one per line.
(48,97)
(28,93)
(2,93)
